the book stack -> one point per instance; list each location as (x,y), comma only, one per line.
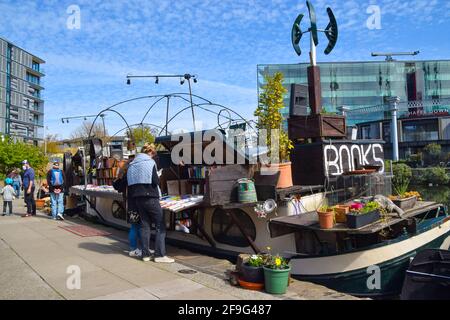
(197,172)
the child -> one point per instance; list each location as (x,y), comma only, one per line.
(8,193)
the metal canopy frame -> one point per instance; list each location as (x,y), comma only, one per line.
(225,114)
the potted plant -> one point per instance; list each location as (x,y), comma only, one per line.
(276,274)
(270,119)
(341,211)
(369,213)
(406,200)
(252,270)
(326,217)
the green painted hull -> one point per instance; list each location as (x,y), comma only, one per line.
(355,282)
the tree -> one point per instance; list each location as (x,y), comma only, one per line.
(433,150)
(82,132)
(142,134)
(269,115)
(53,146)
(13,153)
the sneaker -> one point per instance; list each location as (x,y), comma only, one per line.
(164,260)
(26,216)
(135,253)
(60,216)
(146,259)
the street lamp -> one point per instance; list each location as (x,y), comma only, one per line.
(394,101)
(85,117)
(182,78)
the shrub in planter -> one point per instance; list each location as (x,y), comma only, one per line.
(276,275)
(359,218)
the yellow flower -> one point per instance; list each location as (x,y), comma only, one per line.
(278,262)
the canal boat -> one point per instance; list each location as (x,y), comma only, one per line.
(370,261)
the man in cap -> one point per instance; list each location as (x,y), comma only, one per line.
(29,187)
(55,181)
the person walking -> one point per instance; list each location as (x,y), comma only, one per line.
(29,188)
(17,181)
(55,182)
(8,196)
(143,182)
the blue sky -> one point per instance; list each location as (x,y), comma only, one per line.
(220,41)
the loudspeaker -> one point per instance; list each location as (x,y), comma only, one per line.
(299,100)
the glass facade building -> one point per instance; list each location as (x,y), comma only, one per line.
(21,104)
(367,84)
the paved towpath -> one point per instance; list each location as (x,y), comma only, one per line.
(36,255)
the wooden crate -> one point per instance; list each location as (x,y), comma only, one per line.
(317,126)
(221,184)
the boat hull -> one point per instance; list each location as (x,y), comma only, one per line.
(380,279)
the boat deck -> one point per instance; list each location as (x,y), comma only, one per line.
(310,220)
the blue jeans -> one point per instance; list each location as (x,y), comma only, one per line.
(16,187)
(134,237)
(57,203)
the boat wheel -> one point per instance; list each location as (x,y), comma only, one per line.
(118,210)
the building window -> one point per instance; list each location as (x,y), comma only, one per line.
(33,79)
(35,66)
(225,231)
(423,130)
(365,132)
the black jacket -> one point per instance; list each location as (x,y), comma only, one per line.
(121,185)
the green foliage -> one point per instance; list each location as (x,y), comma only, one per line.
(13,153)
(433,149)
(269,115)
(142,135)
(370,206)
(433,153)
(277,263)
(435,175)
(257,260)
(402,177)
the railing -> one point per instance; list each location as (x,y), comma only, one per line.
(407,109)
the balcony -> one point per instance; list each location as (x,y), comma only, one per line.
(39,72)
(37,109)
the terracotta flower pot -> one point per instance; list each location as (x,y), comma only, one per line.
(341,213)
(285,179)
(40,204)
(326,219)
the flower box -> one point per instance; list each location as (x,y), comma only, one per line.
(406,203)
(356,221)
(341,212)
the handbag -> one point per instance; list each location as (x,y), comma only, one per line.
(133,217)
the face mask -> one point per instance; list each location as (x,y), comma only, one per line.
(24,168)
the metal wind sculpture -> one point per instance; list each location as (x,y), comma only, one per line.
(331,32)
